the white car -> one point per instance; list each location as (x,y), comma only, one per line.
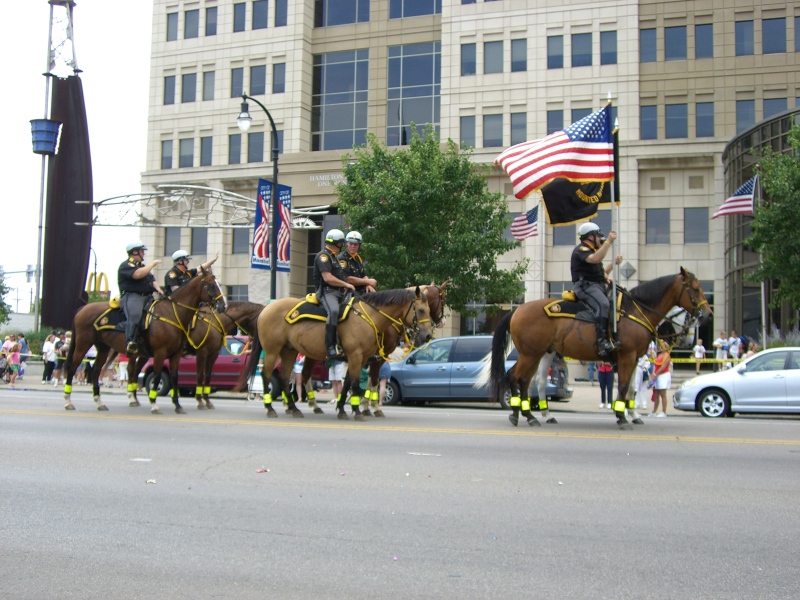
(768,382)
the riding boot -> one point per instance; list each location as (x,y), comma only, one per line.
(132,337)
(605,346)
(330,341)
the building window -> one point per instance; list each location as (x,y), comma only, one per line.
(172,27)
(237,293)
(608,47)
(186,153)
(191,24)
(744,38)
(657,226)
(206,147)
(172,240)
(279,78)
(745,115)
(695,225)
(239,15)
(258,80)
(519,128)
(399,9)
(166,154)
(773,32)
(169,89)
(564,235)
(519,55)
(241,241)
(468,60)
(647,45)
(492,57)
(199,240)
(281,13)
(492,131)
(556,288)
(649,122)
(677,121)
(211,21)
(188,87)
(467,131)
(235,149)
(279,134)
(704,120)
(413,90)
(602,219)
(675,43)
(581,49)
(255,147)
(237,82)
(328,13)
(468,1)
(704,41)
(579,113)
(773,106)
(555,121)
(797,34)
(208,85)
(555,52)
(339,100)
(260,14)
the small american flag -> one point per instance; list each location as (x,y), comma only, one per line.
(584,151)
(284,232)
(741,203)
(527,225)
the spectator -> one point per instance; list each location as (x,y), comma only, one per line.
(62,347)
(721,352)
(297,369)
(591,368)
(605,377)
(48,357)
(752,349)
(336,371)
(24,352)
(640,378)
(734,345)
(383,380)
(91,354)
(662,378)
(122,369)
(699,353)
(13,364)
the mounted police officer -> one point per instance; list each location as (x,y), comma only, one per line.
(180,273)
(354,272)
(329,283)
(136,283)
(590,279)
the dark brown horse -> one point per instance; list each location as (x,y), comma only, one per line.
(165,337)
(537,336)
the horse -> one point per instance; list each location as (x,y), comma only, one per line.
(537,337)
(170,319)
(371,314)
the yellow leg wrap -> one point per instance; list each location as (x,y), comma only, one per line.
(285,397)
(132,387)
(312,395)
(632,403)
(619,405)
(355,400)
(514,401)
(543,404)
(206,390)
(173,392)
(369,395)
(67,388)
(267,399)
(198,391)
(525,404)
(153,394)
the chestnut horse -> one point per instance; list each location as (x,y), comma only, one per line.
(371,314)
(537,337)
(170,319)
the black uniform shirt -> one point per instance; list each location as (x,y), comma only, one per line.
(580,268)
(176,276)
(127,283)
(326,261)
(353,267)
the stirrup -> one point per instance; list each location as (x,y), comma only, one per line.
(132,348)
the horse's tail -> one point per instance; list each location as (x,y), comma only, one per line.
(501,345)
(250,370)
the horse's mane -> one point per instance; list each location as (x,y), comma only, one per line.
(244,305)
(388,297)
(649,293)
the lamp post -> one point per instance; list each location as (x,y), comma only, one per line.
(244,121)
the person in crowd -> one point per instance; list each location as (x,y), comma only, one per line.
(297,369)
(699,353)
(24,352)
(48,357)
(61,348)
(605,377)
(734,345)
(662,377)
(13,363)
(721,351)
(591,367)
(383,380)
(640,377)
(122,369)
(336,371)
(752,349)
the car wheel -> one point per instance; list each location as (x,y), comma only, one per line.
(713,404)
(186,392)
(392,395)
(163,386)
(504,400)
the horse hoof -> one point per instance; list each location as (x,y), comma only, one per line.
(623,424)
(318,411)
(359,417)
(297,414)
(379,413)
(342,416)
(180,410)
(155,410)
(134,403)
(534,422)
(638,422)
(367,413)
(102,407)
(271,414)
(201,406)
(552,421)
(210,406)
(514,420)
(69,406)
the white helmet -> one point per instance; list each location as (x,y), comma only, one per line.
(334,236)
(353,237)
(179,254)
(135,245)
(589,229)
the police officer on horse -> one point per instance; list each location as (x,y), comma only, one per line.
(329,283)
(590,279)
(354,272)
(136,283)
(180,273)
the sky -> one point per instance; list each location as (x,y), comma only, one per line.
(112,46)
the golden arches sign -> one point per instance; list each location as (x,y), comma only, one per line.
(97,284)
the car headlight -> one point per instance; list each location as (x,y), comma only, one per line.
(688,383)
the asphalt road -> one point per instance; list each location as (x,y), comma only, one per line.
(433,502)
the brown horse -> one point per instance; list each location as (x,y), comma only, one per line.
(359,335)
(536,335)
(170,319)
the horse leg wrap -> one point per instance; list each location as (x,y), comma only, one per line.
(268,400)
(285,398)
(173,393)
(152,395)
(525,405)
(631,403)
(543,406)
(514,401)
(311,395)
(132,388)
(198,391)
(355,401)
(67,388)
(619,406)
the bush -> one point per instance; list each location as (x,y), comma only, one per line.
(776,339)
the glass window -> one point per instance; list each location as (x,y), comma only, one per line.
(677,123)
(235,149)
(172,27)
(278,133)
(492,57)
(166,154)
(581,49)
(258,80)
(468,59)
(206,151)
(797,34)
(241,241)
(467,131)
(555,288)
(695,225)
(399,9)
(468,1)
(328,13)
(579,113)
(186,153)
(555,121)
(519,55)
(773,106)
(492,131)
(169,89)
(773,32)
(657,226)
(191,24)
(237,82)
(608,47)
(675,43)
(208,85)
(189,87)
(339,100)
(564,235)
(239,14)
(704,122)
(437,352)
(255,147)
(649,122)
(260,12)
(745,115)
(279,78)
(519,128)
(211,21)
(172,240)
(704,41)
(199,240)
(647,45)
(237,293)
(603,220)
(555,52)
(281,13)
(413,90)
(744,38)
(774,361)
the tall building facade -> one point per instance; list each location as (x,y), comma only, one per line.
(684,77)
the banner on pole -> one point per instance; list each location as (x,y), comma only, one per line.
(261,235)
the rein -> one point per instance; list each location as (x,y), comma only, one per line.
(398,324)
(178,324)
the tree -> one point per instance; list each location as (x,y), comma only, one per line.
(5,309)
(426,214)
(776,222)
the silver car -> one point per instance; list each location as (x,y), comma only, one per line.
(768,382)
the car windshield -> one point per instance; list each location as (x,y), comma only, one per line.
(773,361)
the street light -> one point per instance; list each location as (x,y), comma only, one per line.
(244,121)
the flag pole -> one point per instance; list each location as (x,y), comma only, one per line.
(540,216)
(757,187)
(614,213)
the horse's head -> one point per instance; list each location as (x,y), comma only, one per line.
(436,297)
(692,299)
(418,318)
(210,292)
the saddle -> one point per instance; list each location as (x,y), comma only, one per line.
(310,308)
(113,318)
(570,307)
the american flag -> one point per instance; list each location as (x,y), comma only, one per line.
(584,151)
(284,232)
(527,225)
(261,235)
(741,203)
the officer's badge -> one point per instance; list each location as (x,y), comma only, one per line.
(583,249)
(294,314)
(343,264)
(172,274)
(323,258)
(104,320)
(555,308)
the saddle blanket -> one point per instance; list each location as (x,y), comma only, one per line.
(308,310)
(113,318)
(574,309)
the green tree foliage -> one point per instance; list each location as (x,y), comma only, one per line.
(5,309)
(777,221)
(426,214)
